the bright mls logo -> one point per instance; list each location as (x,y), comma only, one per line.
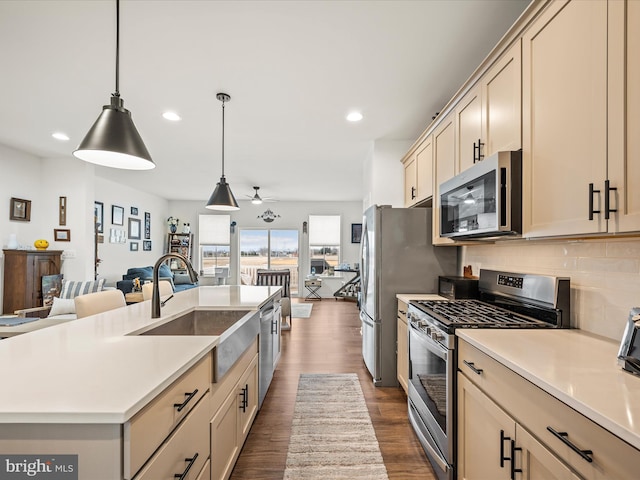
(39,467)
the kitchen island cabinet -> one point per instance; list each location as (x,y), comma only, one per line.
(553,404)
(107,385)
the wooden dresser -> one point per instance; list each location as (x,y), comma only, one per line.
(23,271)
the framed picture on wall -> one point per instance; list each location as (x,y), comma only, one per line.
(134,211)
(133,246)
(146,245)
(134,229)
(117,215)
(61,235)
(20,210)
(356,232)
(147,226)
(98,211)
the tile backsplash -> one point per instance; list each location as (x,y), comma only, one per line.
(605,274)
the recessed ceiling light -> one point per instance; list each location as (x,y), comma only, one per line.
(173,116)
(354,117)
(60,136)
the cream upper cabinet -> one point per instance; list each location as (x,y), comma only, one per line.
(564,141)
(410,181)
(489,116)
(502,104)
(418,174)
(468,129)
(624,115)
(443,169)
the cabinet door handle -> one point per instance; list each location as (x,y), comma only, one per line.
(607,194)
(514,470)
(563,437)
(245,398)
(413,193)
(591,210)
(477,148)
(472,366)
(180,406)
(502,457)
(184,474)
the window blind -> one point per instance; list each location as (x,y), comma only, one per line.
(214,229)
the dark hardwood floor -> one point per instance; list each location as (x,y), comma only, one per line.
(328,342)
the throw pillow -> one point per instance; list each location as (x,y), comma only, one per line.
(71,289)
(62,306)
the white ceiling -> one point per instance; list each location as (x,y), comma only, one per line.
(294,69)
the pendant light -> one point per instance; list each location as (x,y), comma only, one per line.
(113,140)
(222,198)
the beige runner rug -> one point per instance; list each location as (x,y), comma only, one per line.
(331,435)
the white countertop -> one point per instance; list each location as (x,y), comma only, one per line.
(93,370)
(579,369)
(407,297)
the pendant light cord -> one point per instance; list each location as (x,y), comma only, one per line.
(117,92)
(222,138)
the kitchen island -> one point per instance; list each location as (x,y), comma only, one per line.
(76,388)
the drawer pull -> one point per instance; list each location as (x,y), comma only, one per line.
(184,474)
(562,436)
(245,398)
(514,470)
(472,366)
(502,457)
(180,406)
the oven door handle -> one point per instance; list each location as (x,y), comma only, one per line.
(428,343)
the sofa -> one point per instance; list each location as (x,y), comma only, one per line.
(179,281)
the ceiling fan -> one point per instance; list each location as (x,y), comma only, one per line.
(256,199)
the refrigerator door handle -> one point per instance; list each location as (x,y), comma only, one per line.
(364,265)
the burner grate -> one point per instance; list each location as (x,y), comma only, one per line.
(474,312)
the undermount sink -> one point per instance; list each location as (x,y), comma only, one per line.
(237,329)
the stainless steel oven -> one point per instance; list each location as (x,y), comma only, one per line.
(431,397)
(507,300)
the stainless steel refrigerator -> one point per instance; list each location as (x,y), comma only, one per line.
(396,257)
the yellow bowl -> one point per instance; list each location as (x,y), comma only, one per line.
(41,244)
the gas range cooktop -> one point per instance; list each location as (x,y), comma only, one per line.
(506,300)
(474,313)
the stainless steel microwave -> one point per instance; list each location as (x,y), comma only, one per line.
(485,200)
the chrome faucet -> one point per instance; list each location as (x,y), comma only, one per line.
(155,299)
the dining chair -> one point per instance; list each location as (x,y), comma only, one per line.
(164,286)
(103,301)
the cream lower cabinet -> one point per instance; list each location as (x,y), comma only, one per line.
(233,418)
(402,349)
(493,446)
(506,422)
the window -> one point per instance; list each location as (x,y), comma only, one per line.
(324,242)
(214,237)
(269,249)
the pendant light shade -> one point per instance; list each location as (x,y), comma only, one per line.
(222,198)
(113,140)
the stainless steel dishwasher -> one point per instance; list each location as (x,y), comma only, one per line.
(269,345)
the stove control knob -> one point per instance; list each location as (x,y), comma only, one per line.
(428,330)
(437,336)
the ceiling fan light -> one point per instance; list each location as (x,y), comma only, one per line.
(114,141)
(222,198)
(256,200)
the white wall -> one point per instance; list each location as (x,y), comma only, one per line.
(384,174)
(116,258)
(605,275)
(292,214)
